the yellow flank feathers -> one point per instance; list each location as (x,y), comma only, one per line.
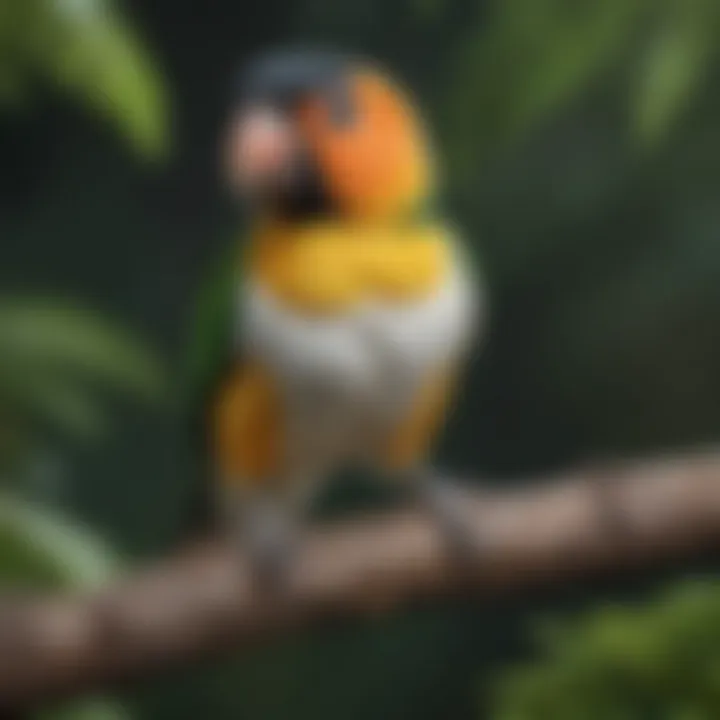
(327,268)
(411,442)
(248,427)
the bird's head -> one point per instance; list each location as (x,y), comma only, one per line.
(316,134)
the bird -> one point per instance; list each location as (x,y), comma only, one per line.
(333,334)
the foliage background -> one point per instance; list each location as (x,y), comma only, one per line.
(581,159)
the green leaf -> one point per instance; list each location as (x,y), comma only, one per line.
(89,50)
(55,359)
(41,548)
(660,660)
(54,401)
(529,60)
(101,59)
(92,709)
(428,10)
(675,66)
(50,336)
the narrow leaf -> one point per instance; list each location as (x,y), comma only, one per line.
(674,68)
(41,547)
(52,335)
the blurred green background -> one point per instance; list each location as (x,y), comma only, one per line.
(581,157)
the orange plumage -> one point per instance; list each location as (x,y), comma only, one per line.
(377,165)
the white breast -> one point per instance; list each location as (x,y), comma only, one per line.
(351,377)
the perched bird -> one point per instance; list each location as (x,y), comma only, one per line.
(334,332)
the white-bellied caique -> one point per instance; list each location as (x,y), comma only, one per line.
(337,327)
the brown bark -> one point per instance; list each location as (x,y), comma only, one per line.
(580,524)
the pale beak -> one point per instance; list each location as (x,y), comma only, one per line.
(262,144)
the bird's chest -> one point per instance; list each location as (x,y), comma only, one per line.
(358,358)
(348,380)
(350,348)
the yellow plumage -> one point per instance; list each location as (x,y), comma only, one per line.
(410,444)
(326,271)
(248,426)
(329,268)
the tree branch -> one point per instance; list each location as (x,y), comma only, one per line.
(580,524)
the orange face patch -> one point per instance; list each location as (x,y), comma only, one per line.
(377,164)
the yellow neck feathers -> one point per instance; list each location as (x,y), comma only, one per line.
(328,268)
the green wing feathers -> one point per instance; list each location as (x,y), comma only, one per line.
(213,336)
(210,352)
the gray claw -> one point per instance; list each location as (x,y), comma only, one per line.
(269,538)
(447,503)
(271,562)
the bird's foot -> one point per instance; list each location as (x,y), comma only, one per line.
(269,538)
(448,504)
